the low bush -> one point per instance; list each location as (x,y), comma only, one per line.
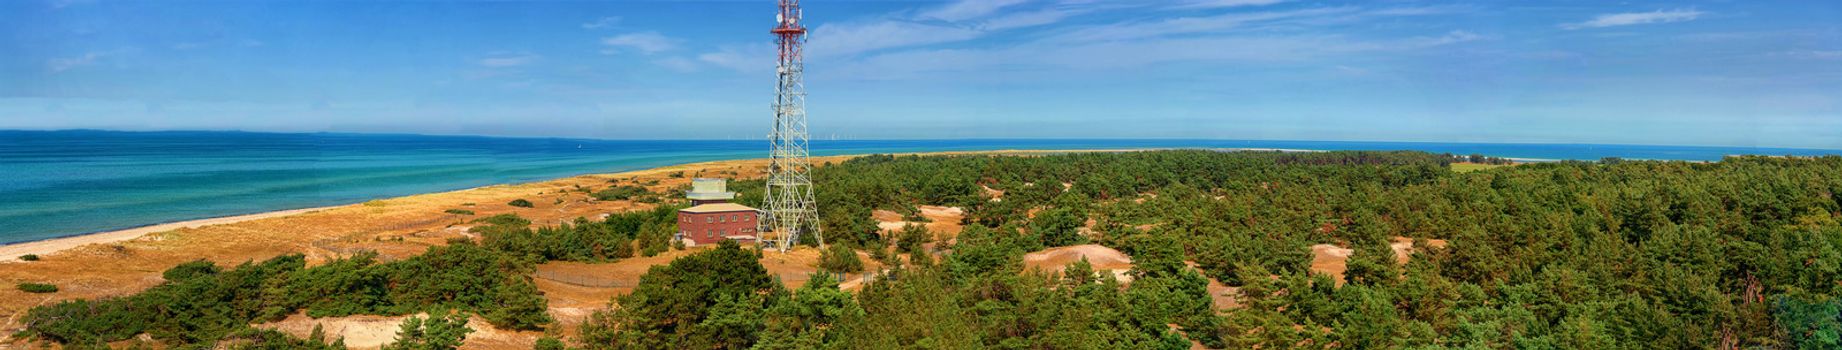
(504,220)
(521,203)
(621,193)
(29,257)
(840,259)
(38,288)
(459,212)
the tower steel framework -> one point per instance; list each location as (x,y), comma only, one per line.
(791,210)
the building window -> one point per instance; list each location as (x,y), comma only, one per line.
(709,219)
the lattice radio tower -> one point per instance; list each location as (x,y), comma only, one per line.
(791,210)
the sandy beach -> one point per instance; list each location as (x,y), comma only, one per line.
(123,262)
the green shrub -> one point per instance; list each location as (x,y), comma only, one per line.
(29,257)
(38,288)
(548,343)
(507,219)
(262,339)
(191,269)
(620,193)
(201,304)
(911,238)
(840,259)
(708,300)
(433,333)
(459,212)
(521,203)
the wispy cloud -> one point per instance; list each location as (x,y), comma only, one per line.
(1028,19)
(1812,54)
(968,9)
(741,58)
(853,38)
(644,42)
(509,59)
(1191,25)
(1634,18)
(59,65)
(604,22)
(1196,4)
(1112,55)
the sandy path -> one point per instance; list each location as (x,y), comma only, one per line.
(1333,260)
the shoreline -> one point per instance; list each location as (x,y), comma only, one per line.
(11,252)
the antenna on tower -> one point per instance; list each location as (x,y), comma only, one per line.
(791,210)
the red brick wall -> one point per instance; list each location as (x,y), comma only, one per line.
(709,228)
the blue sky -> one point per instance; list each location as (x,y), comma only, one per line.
(1735,73)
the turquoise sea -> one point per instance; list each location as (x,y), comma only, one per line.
(62,183)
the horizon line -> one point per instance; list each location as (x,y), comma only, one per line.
(351,133)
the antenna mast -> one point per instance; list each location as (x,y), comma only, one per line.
(791,209)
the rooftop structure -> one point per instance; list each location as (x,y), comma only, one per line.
(707,191)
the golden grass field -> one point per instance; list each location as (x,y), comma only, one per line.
(1470,167)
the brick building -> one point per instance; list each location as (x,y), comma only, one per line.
(713,219)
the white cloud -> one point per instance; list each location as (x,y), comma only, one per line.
(1027,19)
(1632,18)
(58,65)
(1453,37)
(969,9)
(757,58)
(1195,4)
(1116,55)
(644,42)
(604,22)
(1191,25)
(853,38)
(509,60)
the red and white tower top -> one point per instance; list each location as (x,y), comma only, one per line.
(790,32)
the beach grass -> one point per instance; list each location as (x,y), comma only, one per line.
(1470,167)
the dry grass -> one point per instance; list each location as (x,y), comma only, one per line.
(1470,167)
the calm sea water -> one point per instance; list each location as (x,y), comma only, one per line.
(63,183)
